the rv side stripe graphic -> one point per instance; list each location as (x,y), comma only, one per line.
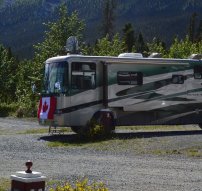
(173,97)
(188,109)
(81,106)
(155,96)
(146,87)
(152,95)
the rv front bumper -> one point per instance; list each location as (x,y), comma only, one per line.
(58,120)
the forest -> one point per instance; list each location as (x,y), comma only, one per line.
(17,74)
(21,21)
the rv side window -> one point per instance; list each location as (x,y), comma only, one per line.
(83,76)
(197,72)
(178,79)
(129,78)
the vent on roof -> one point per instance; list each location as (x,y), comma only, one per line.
(155,55)
(130,55)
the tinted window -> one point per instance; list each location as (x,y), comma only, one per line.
(178,79)
(83,76)
(198,72)
(129,78)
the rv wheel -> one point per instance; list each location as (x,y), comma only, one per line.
(200,125)
(76,129)
(105,119)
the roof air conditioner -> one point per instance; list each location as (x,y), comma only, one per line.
(196,56)
(130,55)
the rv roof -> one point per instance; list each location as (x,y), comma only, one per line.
(112,59)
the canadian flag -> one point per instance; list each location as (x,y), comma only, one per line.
(47,106)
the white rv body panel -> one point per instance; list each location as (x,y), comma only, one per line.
(158,98)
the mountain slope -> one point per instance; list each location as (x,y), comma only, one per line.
(21,20)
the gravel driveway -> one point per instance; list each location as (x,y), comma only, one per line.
(119,170)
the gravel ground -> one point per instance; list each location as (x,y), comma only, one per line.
(122,170)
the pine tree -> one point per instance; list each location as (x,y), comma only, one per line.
(141,47)
(105,46)
(192,27)
(55,38)
(184,48)
(57,34)
(108,18)
(128,37)
(199,32)
(8,70)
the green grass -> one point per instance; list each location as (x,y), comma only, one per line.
(166,152)
(42,131)
(132,128)
(194,152)
(5,184)
(189,152)
(34,131)
(118,143)
(135,145)
(158,128)
(30,131)
(161,146)
(63,144)
(3,132)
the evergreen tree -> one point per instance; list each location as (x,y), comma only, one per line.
(31,72)
(108,18)
(24,82)
(128,37)
(57,34)
(141,47)
(184,48)
(107,47)
(8,70)
(199,32)
(192,27)
(157,46)
(55,38)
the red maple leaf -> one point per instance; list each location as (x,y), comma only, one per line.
(45,107)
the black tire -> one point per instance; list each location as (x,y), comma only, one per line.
(76,129)
(200,125)
(106,119)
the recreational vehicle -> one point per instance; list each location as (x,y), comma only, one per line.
(125,90)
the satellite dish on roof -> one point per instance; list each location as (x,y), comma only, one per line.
(72,45)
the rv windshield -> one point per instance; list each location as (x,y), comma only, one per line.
(56,77)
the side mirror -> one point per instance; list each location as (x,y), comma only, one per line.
(34,89)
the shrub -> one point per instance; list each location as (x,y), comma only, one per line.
(82,185)
(23,111)
(7,109)
(18,110)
